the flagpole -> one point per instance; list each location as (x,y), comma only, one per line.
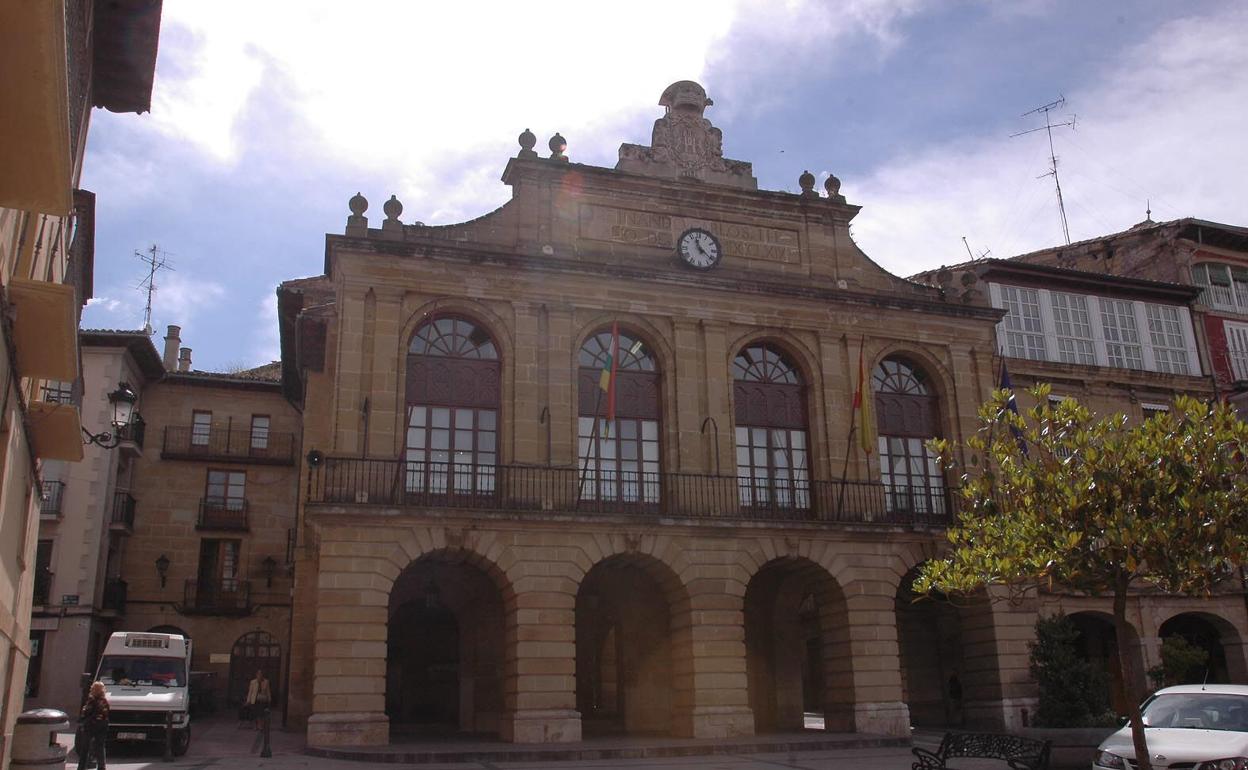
(591,450)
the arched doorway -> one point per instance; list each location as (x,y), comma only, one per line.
(625,648)
(797,648)
(445,648)
(933,670)
(254,651)
(1098,644)
(1206,632)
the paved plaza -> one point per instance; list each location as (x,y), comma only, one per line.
(221,743)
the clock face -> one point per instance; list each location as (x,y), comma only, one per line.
(698,248)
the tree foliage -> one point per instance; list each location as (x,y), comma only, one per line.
(1059,498)
(1181,663)
(1073,691)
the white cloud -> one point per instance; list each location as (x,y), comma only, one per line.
(267,347)
(1163,124)
(180,297)
(433,98)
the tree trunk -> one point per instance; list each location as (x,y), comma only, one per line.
(1125,669)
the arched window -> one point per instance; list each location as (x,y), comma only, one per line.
(772,467)
(907,416)
(619,460)
(453,394)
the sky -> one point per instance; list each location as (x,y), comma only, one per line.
(267,117)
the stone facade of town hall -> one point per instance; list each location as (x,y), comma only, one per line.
(489,542)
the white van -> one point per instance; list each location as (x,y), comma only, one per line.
(146,676)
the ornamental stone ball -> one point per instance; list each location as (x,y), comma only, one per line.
(558,145)
(832,185)
(358,205)
(807,183)
(393,208)
(527,141)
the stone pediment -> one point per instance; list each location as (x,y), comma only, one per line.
(685,145)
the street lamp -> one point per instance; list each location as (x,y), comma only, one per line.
(123,400)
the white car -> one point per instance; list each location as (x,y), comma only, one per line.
(1190,727)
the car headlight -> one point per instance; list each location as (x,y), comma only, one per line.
(1105,759)
(1230,763)
(179,717)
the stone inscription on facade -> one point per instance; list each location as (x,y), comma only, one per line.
(646,228)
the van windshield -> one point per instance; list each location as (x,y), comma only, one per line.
(132,670)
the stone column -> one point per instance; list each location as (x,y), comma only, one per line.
(349,680)
(997,684)
(872,618)
(712,629)
(539,691)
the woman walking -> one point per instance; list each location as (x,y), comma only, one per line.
(259,696)
(93,721)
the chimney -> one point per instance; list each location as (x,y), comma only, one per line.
(173,338)
(184,360)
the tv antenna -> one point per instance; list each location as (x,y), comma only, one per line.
(1048,127)
(982,255)
(155,259)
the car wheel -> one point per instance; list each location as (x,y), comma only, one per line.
(181,741)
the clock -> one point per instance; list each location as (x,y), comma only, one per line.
(699,249)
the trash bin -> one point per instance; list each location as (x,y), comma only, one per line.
(34,739)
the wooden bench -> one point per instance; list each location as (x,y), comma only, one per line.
(1018,752)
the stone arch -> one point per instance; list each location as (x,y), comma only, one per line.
(806,359)
(448,632)
(634,651)
(798,651)
(1219,637)
(501,332)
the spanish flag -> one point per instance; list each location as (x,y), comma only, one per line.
(862,406)
(606,380)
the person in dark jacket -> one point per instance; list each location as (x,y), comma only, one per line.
(93,721)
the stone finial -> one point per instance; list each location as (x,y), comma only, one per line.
(393,208)
(527,142)
(357,223)
(807,183)
(832,186)
(558,146)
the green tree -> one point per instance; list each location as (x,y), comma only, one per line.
(1073,692)
(1058,497)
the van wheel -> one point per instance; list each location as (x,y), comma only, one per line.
(181,741)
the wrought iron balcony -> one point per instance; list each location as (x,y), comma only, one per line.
(396,483)
(121,517)
(222,513)
(187,442)
(218,596)
(114,599)
(53,497)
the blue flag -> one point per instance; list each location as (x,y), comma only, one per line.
(1012,405)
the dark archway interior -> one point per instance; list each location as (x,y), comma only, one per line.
(445,649)
(1098,644)
(624,671)
(796,650)
(1200,632)
(933,669)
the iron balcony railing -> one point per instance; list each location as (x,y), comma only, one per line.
(217,596)
(53,497)
(200,442)
(222,513)
(122,514)
(114,598)
(352,481)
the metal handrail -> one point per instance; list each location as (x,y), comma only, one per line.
(205,442)
(399,483)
